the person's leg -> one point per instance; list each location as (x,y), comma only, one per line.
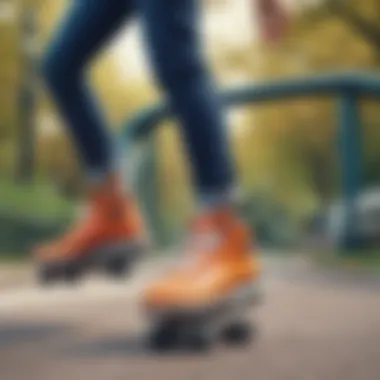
(85,29)
(113,222)
(173,38)
(225,263)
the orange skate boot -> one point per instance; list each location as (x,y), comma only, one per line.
(207,296)
(110,237)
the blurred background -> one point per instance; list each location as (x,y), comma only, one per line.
(287,152)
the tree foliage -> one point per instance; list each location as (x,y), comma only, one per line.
(286,150)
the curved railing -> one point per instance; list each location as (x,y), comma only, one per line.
(347,87)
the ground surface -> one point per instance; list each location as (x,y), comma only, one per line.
(314,326)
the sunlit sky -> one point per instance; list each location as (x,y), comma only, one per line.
(230,24)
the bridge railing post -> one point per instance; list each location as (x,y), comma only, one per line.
(350,143)
(140,168)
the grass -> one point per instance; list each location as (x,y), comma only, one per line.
(361,260)
(34,199)
(12,258)
(28,214)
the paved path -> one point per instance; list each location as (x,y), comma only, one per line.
(313,326)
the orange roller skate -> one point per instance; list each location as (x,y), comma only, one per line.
(208,295)
(110,237)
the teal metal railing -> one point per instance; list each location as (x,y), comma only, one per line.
(348,88)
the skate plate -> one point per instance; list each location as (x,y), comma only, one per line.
(116,260)
(199,329)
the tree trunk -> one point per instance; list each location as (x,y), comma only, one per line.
(25,165)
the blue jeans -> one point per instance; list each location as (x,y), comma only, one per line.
(171,34)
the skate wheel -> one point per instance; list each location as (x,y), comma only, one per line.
(46,276)
(164,336)
(238,333)
(117,268)
(71,273)
(198,340)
